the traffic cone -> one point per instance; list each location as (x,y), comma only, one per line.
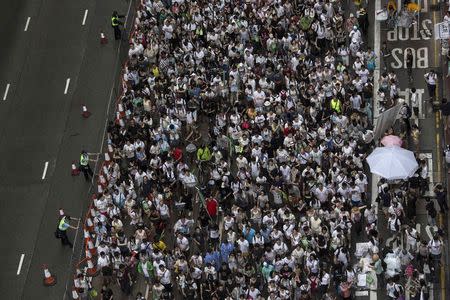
(49,280)
(88,253)
(105,170)
(121,111)
(110,149)
(91,269)
(92,210)
(84,111)
(102,181)
(89,225)
(87,235)
(75,170)
(91,247)
(117,118)
(103,38)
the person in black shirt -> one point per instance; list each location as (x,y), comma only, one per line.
(445,110)
(441,197)
(432,213)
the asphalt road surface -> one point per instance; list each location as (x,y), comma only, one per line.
(51,62)
(419,38)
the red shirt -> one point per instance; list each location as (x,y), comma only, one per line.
(177,153)
(211,206)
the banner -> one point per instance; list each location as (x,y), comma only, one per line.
(385,121)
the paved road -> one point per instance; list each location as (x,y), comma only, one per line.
(426,57)
(44,43)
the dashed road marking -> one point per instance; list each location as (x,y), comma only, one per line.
(85,17)
(5,95)
(19,268)
(67,86)
(27,24)
(45,170)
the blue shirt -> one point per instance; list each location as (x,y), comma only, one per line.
(225,250)
(248,233)
(213,258)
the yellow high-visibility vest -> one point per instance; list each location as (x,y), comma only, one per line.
(336,105)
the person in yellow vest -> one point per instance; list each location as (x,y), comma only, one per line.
(115,23)
(84,165)
(204,154)
(336,105)
(61,230)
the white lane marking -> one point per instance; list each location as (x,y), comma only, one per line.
(147,291)
(85,17)
(126,17)
(67,86)
(6,92)
(45,170)
(103,139)
(19,268)
(27,24)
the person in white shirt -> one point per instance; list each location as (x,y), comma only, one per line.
(431,79)
(253,292)
(182,242)
(414,97)
(243,245)
(435,246)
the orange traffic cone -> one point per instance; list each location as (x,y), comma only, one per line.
(102,181)
(91,269)
(103,38)
(110,149)
(84,111)
(49,280)
(88,253)
(75,170)
(105,169)
(91,247)
(121,111)
(89,225)
(87,235)
(92,209)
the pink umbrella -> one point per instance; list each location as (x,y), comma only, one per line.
(391,140)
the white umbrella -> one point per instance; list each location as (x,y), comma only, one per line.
(392,162)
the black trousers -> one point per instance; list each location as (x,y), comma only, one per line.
(64,238)
(87,171)
(117,33)
(431,90)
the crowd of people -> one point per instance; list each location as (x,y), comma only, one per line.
(238,156)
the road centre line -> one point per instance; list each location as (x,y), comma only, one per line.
(67,86)
(19,268)
(6,92)
(45,170)
(85,17)
(27,24)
